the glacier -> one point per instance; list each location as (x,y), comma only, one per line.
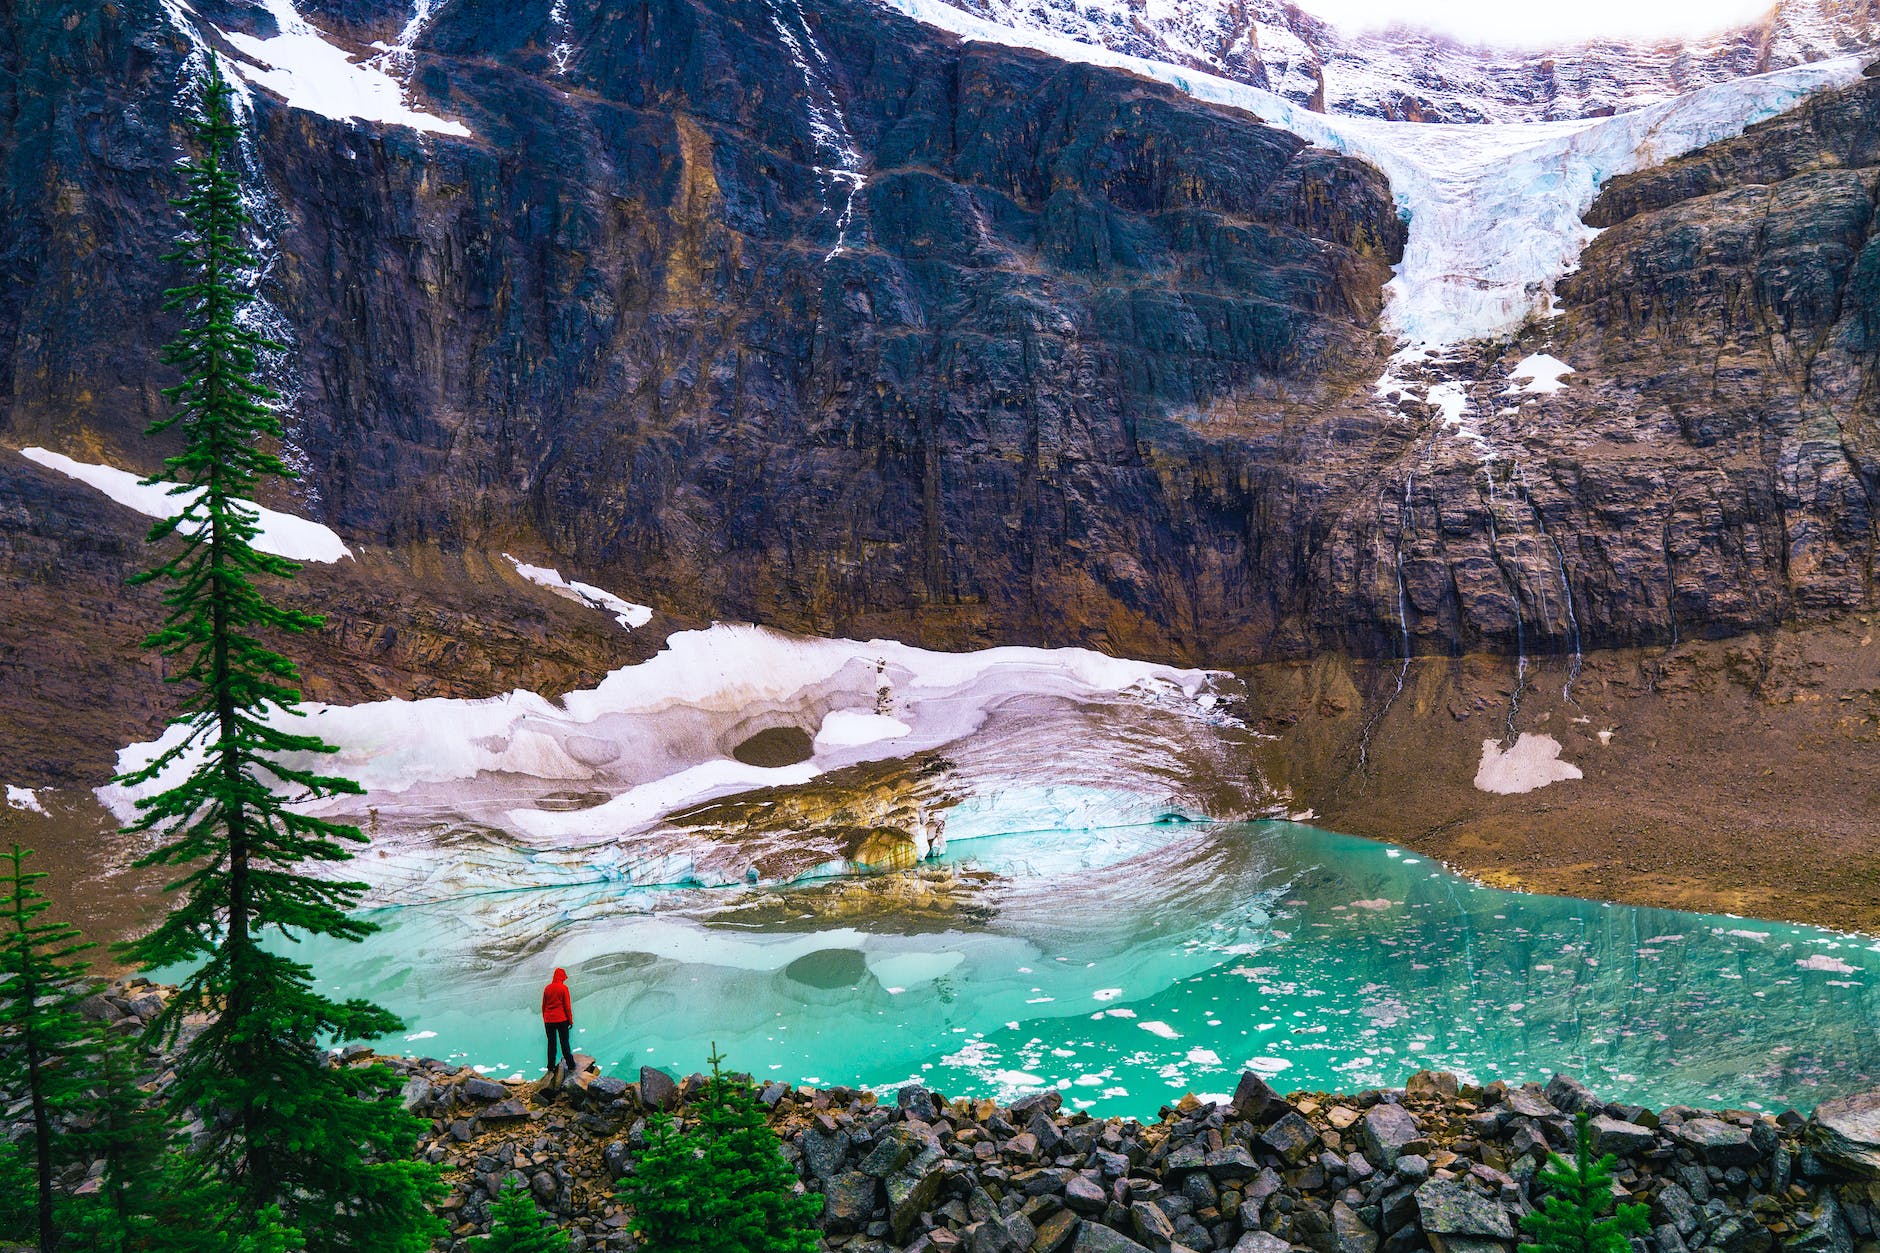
(1494,210)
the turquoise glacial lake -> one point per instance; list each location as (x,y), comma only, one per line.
(1127,966)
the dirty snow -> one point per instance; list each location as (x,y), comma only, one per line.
(283,534)
(1533,762)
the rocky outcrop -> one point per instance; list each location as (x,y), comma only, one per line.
(1260,1174)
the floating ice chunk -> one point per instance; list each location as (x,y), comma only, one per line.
(1821,961)
(24,798)
(626,613)
(1533,762)
(1204,1057)
(283,534)
(853,728)
(1544,374)
(310,73)
(1154,1027)
(1106,994)
(421,1035)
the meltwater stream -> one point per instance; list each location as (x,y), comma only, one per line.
(1129,965)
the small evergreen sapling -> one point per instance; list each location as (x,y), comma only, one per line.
(516,1226)
(722,1185)
(1572,1216)
(45,1034)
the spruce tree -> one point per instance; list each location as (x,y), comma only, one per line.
(285,1127)
(45,1034)
(1572,1216)
(721,1186)
(124,1127)
(517,1226)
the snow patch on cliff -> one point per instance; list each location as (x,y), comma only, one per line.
(283,534)
(629,615)
(1494,211)
(310,73)
(1533,762)
(1544,376)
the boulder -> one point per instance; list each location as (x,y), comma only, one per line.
(1846,1133)
(1261,1242)
(1256,1101)
(509,1110)
(1056,1232)
(1449,1208)
(1350,1233)
(1292,1137)
(1715,1142)
(910,1193)
(849,1201)
(1085,1195)
(1385,1130)
(657,1090)
(1529,1104)
(1610,1135)
(477,1088)
(1094,1238)
(1570,1096)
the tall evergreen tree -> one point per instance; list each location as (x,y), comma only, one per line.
(285,1127)
(45,1034)
(1572,1217)
(721,1185)
(517,1226)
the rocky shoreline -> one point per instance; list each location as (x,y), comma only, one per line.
(1440,1164)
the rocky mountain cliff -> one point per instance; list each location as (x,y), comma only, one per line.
(816,316)
(1414,75)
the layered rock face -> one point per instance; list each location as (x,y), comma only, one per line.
(833,322)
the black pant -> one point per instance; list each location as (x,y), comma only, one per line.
(558,1031)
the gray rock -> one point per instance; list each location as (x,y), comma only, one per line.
(1385,1129)
(1826,1232)
(1529,1104)
(1350,1233)
(1448,1208)
(1292,1137)
(1673,1207)
(1232,1162)
(1846,1133)
(607,1088)
(1571,1096)
(1610,1135)
(477,1088)
(618,1159)
(510,1110)
(1092,1238)
(416,1094)
(1152,1225)
(657,1090)
(1256,1101)
(1085,1195)
(849,1201)
(1715,1142)
(1260,1242)
(911,1192)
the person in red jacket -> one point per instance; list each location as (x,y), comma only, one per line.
(558,1017)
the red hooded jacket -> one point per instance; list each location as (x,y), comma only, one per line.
(556,1007)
